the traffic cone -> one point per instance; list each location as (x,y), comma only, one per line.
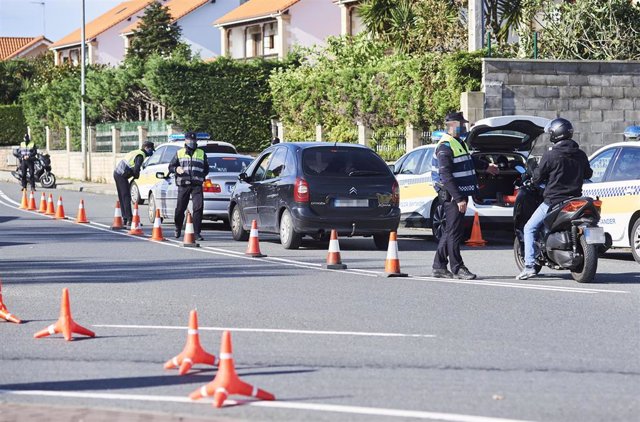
(4,313)
(156,233)
(227,381)
(118,224)
(24,204)
(189,234)
(476,234)
(60,210)
(43,204)
(392,264)
(334,261)
(135,222)
(32,202)
(50,209)
(193,352)
(253,248)
(65,324)
(82,216)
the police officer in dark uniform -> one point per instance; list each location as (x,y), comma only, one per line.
(127,168)
(27,154)
(191,167)
(455,180)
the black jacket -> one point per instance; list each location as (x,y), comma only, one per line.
(564,168)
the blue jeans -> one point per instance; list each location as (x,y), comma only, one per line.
(530,230)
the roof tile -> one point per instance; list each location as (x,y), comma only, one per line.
(254,9)
(177,9)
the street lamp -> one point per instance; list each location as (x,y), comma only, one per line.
(83,128)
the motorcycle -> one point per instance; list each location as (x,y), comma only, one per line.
(570,236)
(42,171)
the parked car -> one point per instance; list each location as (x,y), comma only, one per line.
(218,185)
(159,162)
(308,189)
(504,141)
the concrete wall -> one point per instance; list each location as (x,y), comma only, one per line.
(599,98)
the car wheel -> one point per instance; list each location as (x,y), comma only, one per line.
(381,241)
(237,231)
(635,240)
(135,194)
(152,208)
(289,238)
(438,221)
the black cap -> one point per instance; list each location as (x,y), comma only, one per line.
(455,116)
(149,144)
(191,136)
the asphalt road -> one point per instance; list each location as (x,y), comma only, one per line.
(331,345)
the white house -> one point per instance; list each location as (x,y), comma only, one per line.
(20,47)
(350,22)
(270,28)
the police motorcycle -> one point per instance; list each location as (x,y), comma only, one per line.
(570,236)
(41,168)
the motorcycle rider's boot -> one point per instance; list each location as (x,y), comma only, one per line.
(441,273)
(527,273)
(464,274)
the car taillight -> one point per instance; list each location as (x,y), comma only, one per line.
(573,206)
(209,186)
(301,191)
(395,194)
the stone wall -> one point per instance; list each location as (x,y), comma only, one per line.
(599,98)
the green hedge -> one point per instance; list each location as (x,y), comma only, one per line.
(12,123)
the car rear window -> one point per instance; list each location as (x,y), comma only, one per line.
(342,162)
(222,149)
(228,164)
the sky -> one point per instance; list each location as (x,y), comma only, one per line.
(54,18)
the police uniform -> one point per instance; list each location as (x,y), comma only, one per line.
(27,152)
(127,168)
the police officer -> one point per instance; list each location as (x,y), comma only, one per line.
(27,154)
(127,168)
(564,167)
(191,167)
(455,179)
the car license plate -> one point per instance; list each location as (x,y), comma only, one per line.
(594,235)
(351,203)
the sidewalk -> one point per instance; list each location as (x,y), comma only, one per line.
(68,184)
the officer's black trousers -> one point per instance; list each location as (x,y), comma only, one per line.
(24,165)
(449,245)
(197,202)
(124,195)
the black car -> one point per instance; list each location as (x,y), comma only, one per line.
(297,189)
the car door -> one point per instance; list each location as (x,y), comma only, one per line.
(269,189)
(249,198)
(168,190)
(597,186)
(414,179)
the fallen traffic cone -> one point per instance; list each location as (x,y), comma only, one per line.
(227,381)
(193,352)
(43,204)
(82,216)
(4,313)
(156,233)
(65,324)
(189,234)
(253,248)
(50,209)
(392,264)
(118,224)
(476,234)
(334,261)
(135,222)
(60,210)
(24,204)
(32,202)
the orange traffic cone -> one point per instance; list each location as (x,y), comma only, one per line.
(82,216)
(65,325)
(193,352)
(43,204)
(227,381)
(189,234)
(156,233)
(476,234)
(24,204)
(253,248)
(50,208)
(135,222)
(118,224)
(4,313)
(32,202)
(60,210)
(334,261)
(392,264)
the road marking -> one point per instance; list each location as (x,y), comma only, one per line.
(357,410)
(267,330)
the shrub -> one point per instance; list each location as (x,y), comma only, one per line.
(13,124)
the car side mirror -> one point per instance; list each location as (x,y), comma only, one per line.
(161,175)
(243,177)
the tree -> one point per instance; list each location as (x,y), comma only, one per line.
(156,34)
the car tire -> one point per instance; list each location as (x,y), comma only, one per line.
(634,238)
(135,194)
(381,241)
(438,220)
(237,230)
(152,208)
(289,238)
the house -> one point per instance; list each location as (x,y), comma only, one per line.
(194,18)
(104,44)
(350,22)
(18,47)
(270,28)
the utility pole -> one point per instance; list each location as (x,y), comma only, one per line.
(44,22)
(83,136)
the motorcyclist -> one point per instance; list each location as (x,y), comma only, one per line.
(27,152)
(563,168)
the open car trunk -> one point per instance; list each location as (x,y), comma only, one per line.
(497,190)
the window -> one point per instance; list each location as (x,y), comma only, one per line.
(168,154)
(627,165)
(277,164)
(425,166)
(600,164)
(261,168)
(410,164)
(228,164)
(342,162)
(155,158)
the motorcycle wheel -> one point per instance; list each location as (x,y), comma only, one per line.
(518,253)
(48,180)
(586,272)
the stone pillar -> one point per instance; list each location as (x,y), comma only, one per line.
(171,130)
(142,136)
(224,42)
(474,25)
(345,21)
(472,105)
(318,133)
(67,131)
(283,21)
(412,137)
(91,144)
(47,138)
(115,143)
(281,130)
(364,135)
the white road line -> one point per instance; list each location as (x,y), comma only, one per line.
(267,330)
(356,410)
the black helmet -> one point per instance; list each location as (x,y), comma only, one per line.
(559,129)
(190,140)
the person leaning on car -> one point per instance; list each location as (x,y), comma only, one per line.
(455,179)
(26,152)
(127,168)
(191,167)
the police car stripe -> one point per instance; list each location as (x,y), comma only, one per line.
(611,191)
